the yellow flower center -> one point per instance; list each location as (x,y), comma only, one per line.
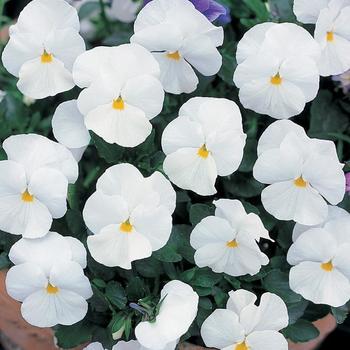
(300,182)
(126,227)
(203,152)
(330,36)
(27,197)
(46,57)
(174,55)
(242,346)
(276,80)
(118,104)
(328,266)
(50,289)
(232,244)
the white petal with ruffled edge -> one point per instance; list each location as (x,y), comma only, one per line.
(187,170)
(266,340)
(112,247)
(222,329)
(68,126)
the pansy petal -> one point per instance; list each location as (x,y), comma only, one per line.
(187,170)
(102,210)
(23,280)
(39,80)
(222,329)
(239,299)
(319,286)
(50,187)
(128,127)
(68,126)
(266,340)
(285,201)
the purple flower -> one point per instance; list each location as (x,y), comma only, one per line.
(212,9)
(344,80)
(347,177)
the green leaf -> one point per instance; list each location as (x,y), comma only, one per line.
(277,282)
(72,336)
(116,294)
(242,185)
(282,10)
(76,223)
(340,313)
(258,7)
(301,331)
(136,289)
(199,211)
(326,115)
(4,261)
(205,278)
(296,310)
(249,157)
(229,63)
(111,153)
(167,254)
(88,9)
(149,267)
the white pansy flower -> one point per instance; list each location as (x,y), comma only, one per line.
(302,173)
(43,45)
(277,72)
(227,242)
(245,326)
(205,141)
(333,213)
(124,10)
(180,37)
(34,184)
(333,34)
(122,92)
(48,279)
(129,215)
(69,128)
(321,260)
(179,306)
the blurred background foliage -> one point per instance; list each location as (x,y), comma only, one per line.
(326,117)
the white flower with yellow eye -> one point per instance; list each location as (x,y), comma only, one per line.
(129,215)
(34,184)
(302,173)
(321,261)
(277,72)
(43,45)
(178,309)
(333,34)
(245,326)
(205,141)
(122,92)
(227,242)
(69,128)
(48,279)
(180,37)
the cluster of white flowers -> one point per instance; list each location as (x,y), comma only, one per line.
(130,216)
(302,173)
